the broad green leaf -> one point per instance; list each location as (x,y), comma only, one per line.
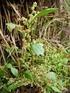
(14,71)
(28,75)
(51,76)
(56,89)
(10,26)
(46,11)
(8,65)
(37,48)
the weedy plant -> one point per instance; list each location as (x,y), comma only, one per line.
(27,59)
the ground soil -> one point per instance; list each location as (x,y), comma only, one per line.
(28,89)
(34,89)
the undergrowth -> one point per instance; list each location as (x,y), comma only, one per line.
(28,56)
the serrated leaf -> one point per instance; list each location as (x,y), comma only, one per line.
(10,26)
(14,71)
(38,49)
(51,76)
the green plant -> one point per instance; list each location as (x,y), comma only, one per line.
(31,60)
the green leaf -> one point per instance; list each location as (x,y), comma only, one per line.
(56,89)
(14,71)
(46,11)
(43,12)
(51,76)
(10,26)
(28,75)
(1,73)
(37,48)
(8,65)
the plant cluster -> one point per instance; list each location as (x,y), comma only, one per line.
(26,58)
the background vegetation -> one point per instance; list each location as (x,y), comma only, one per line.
(35,46)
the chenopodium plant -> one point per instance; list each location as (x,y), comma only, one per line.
(36,62)
(52,74)
(37,14)
(42,65)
